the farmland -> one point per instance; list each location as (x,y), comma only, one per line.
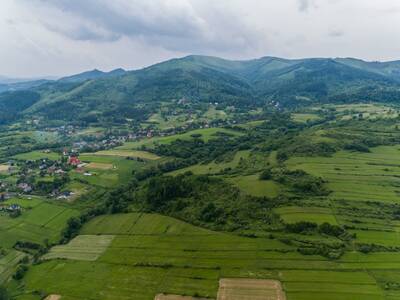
(203,213)
(176,258)
(39,220)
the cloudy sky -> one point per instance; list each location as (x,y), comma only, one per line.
(58,37)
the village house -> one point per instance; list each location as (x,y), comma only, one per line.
(74,161)
(26,188)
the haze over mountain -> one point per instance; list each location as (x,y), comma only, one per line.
(94,94)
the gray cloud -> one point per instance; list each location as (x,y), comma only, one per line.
(336,33)
(46,37)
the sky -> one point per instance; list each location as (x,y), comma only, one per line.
(62,37)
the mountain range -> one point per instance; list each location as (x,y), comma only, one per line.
(202,79)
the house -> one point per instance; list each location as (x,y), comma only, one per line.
(26,188)
(14,207)
(73,161)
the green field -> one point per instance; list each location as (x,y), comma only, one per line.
(107,178)
(304,117)
(39,220)
(152,254)
(35,155)
(83,247)
(251,184)
(206,134)
(128,153)
(293,214)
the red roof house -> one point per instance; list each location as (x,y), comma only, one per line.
(73,161)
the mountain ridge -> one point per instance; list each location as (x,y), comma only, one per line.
(239,83)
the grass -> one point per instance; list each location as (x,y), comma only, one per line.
(304,117)
(206,135)
(107,177)
(357,176)
(83,247)
(39,220)
(152,254)
(293,214)
(252,185)
(36,155)
(8,264)
(129,153)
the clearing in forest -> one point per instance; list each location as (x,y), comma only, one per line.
(246,289)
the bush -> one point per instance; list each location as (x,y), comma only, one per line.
(266,175)
(301,227)
(20,273)
(4,294)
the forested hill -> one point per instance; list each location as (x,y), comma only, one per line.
(204,79)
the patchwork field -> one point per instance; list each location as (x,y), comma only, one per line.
(129,153)
(104,176)
(303,117)
(152,254)
(83,247)
(35,155)
(357,176)
(8,263)
(101,166)
(4,168)
(255,289)
(39,220)
(293,214)
(205,134)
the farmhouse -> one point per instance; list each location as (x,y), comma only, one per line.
(26,188)
(74,161)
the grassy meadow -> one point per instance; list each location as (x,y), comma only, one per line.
(153,254)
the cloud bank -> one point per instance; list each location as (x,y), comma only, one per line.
(58,37)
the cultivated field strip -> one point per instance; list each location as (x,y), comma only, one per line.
(173,257)
(83,247)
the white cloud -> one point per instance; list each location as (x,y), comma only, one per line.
(66,36)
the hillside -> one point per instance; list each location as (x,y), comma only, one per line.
(94,96)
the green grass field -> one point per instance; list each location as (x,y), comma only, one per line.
(304,117)
(128,153)
(39,220)
(83,247)
(251,184)
(206,134)
(153,254)
(35,155)
(293,214)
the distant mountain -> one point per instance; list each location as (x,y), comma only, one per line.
(94,74)
(121,94)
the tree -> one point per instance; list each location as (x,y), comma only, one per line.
(4,294)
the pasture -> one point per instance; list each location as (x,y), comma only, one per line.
(252,185)
(129,153)
(82,247)
(304,117)
(205,134)
(39,220)
(293,214)
(152,254)
(36,155)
